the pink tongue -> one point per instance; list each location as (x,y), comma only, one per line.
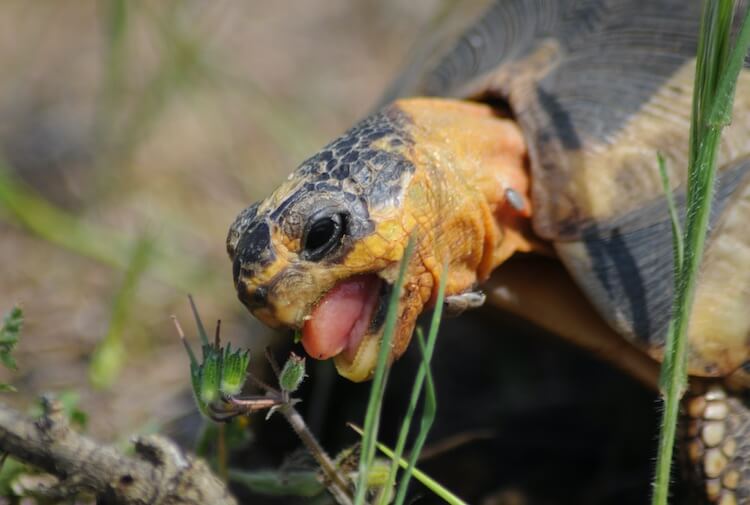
(341,318)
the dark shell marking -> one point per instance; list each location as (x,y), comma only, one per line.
(622,266)
(364,169)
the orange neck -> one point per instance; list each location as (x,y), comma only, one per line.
(482,211)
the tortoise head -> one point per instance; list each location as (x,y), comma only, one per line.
(322,252)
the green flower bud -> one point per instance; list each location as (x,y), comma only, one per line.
(235,371)
(292,374)
(195,381)
(210,374)
(220,371)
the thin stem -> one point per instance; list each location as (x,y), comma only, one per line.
(336,484)
(422,477)
(375,402)
(716,74)
(416,391)
(221,453)
(428,414)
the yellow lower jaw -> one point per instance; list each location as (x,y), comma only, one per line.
(363,366)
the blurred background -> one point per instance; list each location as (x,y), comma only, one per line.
(131,134)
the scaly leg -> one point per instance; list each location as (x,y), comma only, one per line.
(717,442)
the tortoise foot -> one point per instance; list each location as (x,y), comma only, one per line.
(717,444)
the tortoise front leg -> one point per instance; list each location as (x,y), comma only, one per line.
(717,445)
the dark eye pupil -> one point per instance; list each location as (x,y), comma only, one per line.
(324,234)
(320,233)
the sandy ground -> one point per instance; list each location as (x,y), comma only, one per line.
(165,120)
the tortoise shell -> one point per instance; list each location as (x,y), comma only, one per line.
(599,87)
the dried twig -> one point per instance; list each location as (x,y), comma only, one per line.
(158,474)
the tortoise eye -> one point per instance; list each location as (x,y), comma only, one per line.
(323,235)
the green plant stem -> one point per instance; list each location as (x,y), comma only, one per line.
(416,391)
(422,477)
(375,402)
(677,236)
(110,352)
(716,76)
(428,413)
(337,486)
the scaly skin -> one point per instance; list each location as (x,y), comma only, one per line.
(716,443)
(435,169)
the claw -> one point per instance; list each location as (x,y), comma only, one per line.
(457,304)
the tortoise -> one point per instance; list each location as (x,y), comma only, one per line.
(520,150)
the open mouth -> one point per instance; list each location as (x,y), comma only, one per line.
(341,320)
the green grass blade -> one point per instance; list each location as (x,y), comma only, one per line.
(416,391)
(428,414)
(721,111)
(712,49)
(677,237)
(109,354)
(422,477)
(372,417)
(115,27)
(202,334)
(716,72)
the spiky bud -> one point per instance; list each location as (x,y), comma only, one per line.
(210,374)
(292,374)
(235,370)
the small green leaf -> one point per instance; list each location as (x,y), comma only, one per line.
(10,332)
(12,325)
(70,400)
(8,360)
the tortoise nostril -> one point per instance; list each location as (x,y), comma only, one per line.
(259,297)
(255,300)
